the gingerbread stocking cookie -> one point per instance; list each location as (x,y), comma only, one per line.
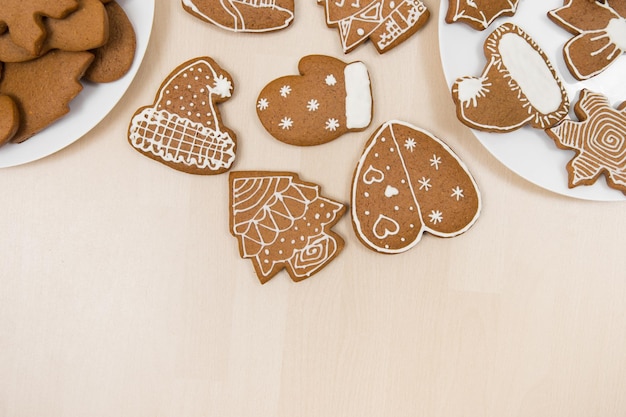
(327,99)
(387,23)
(282,222)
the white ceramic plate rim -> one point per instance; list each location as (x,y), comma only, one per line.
(530,152)
(91,105)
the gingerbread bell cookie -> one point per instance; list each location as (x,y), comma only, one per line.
(518,86)
(479,14)
(599,139)
(183,127)
(282,222)
(387,23)
(600,34)
(408,182)
(243,15)
(328,98)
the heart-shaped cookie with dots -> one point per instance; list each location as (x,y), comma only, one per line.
(408,182)
(183,127)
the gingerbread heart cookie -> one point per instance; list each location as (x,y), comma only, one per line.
(387,23)
(479,14)
(183,127)
(518,86)
(243,15)
(328,98)
(408,182)
(599,139)
(282,222)
(600,34)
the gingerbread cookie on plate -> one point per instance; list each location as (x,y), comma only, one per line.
(479,14)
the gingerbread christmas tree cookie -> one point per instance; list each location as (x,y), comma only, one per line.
(599,139)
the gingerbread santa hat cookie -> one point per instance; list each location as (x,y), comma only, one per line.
(183,128)
(243,15)
(327,99)
(518,86)
(282,222)
(408,182)
(387,23)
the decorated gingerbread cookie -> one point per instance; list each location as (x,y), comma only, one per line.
(408,182)
(327,99)
(43,88)
(9,119)
(518,86)
(282,222)
(387,23)
(243,15)
(183,127)
(600,34)
(479,14)
(599,139)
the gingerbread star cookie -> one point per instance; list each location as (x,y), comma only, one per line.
(600,34)
(599,139)
(282,222)
(479,14)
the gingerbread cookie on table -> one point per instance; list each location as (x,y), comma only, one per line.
(408,182)
(387,23)
(518,86)
(282,222)
(243,15)
(599,139)
(600,34)
(328,98)
(183,128)
(479,14)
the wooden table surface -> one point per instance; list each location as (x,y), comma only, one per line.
(122,292)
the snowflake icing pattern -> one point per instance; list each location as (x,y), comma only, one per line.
(332,124)
(286,123)
(410,144)
(313,105)
(263,104)
(285,90)
(436,216)
(435,161)
(457,193)
(425,183)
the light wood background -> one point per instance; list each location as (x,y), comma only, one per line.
(122,292)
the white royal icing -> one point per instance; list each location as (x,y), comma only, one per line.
(358,96)
(616,30)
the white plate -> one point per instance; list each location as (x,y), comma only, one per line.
(91,105)
(530,152)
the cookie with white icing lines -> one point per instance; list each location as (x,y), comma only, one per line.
(387,23)
(408,182)
(479,14)
(255,16)
(282,222)
(518,86)
(183,128)
(600,34)
(328,98)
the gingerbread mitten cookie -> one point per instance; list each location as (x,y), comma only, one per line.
(599,139)
(386,23)
(518,86)
(600,34)
(479,14)
(282,222)
(183,127)
(243,15)
(408,182)
(327,99)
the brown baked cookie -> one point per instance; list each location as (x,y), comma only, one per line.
(479,14)
(9,119)
(282,222)
(387,23)
(183,127)
(243,15)
(327,99)
(599,139)
(600,34)
(43,88)
(24,20)
(408,182)
(84,29)
(518,86)
(113,60)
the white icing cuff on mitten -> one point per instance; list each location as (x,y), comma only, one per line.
(358,96)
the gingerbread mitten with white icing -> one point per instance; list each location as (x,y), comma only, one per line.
(327,99)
